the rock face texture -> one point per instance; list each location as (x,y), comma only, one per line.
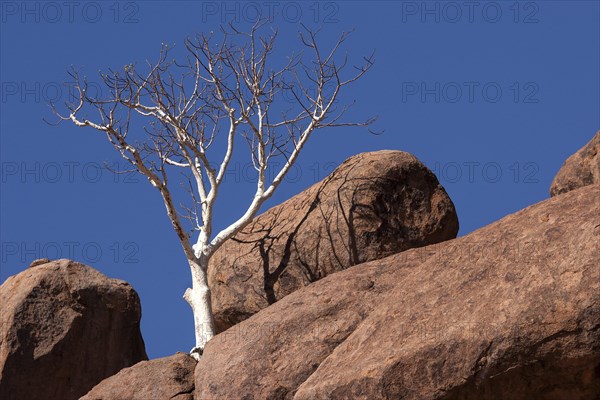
(164,378)
(373,205)
(63,328)
(510,311)
(581,169)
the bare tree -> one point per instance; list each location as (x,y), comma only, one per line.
(231,83)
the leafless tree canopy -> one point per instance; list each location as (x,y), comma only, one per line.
(226,87)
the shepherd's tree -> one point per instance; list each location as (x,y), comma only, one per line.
(189,115)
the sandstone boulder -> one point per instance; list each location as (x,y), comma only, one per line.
(510,311)
(64,327)
(373,205)
(164,378)
(581,169)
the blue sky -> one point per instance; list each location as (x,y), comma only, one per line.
(492,96)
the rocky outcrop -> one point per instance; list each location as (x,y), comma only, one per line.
(373,205)
(581,169)
(510,311)
(64,327)
(164,378)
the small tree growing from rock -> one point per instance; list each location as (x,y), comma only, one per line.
(228,83)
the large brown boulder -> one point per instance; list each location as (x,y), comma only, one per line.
(510,311)
(373,205)
(163,378)
(581,169)
(63,328)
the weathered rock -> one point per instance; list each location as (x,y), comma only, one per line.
(510,311)
(63,328)
(373,205)
(581,169)
(164,378)
(39,261)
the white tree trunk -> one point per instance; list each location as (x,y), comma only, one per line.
(198,298)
